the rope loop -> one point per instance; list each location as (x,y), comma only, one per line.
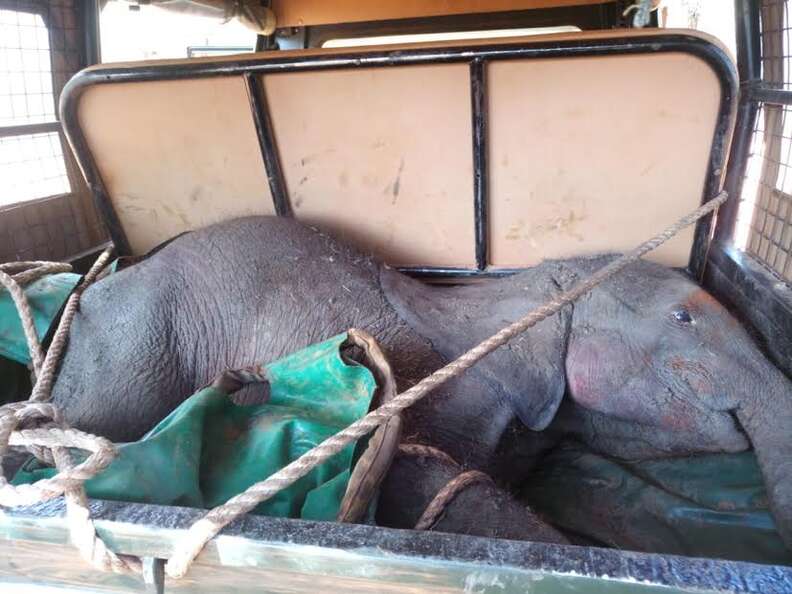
(38,426)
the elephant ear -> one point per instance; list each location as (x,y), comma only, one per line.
(529,370)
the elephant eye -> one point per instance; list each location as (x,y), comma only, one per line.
(683,316)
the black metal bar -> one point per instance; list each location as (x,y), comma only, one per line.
(89,16)
(761,93)
(93,179)
(269,149)
(748,39)
(343,59)
(716,166)
(710,53)
(443,272)
(749,64)
(478,100)
(6,131)
(735,173)
(765,301)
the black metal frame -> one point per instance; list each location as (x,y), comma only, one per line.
(476,56)
(736,277)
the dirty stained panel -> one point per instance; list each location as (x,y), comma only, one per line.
(592,155)
(185,157)
(381,156)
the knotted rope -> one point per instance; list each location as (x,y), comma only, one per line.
(14,283)
(203,530)
(50,440)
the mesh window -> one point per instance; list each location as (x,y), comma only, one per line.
(31,165)
(764,224)
(776,44)
(25,70)
(764,220)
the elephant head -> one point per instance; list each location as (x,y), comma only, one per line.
(650,363)
(657,365)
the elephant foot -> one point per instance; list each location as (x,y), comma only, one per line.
(426,489)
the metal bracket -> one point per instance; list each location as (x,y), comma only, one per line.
(154,575)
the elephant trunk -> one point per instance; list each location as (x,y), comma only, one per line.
(766,416)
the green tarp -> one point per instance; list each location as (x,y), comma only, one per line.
(210,449)
(711,505)
(46,297)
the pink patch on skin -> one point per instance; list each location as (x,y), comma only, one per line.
(584,360)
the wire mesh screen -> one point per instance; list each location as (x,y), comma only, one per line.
(31,165)
(47,41)
(25,69)
(764,224)
(764,221)
(776,44)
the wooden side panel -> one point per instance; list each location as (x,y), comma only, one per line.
(596,154)
(298,13)
(382,157)
(175,155)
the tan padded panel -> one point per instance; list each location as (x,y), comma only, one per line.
(596,154)
(382,157)
(585,154)
(175,155)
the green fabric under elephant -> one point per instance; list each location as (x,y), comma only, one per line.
(710,505)
(46,296)
(210,449)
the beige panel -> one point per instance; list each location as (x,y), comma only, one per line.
(175,155)
(596,154)
(381,156)
(298,13)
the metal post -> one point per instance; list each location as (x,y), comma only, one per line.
(478,97)
(269,149)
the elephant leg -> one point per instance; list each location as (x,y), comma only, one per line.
(477,508)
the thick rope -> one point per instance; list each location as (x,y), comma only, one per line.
(436,508)
(43,388)
(51,440)
(426,451)
(14,276)
(31,271)
(203,530)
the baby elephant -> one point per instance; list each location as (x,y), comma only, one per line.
(650,364)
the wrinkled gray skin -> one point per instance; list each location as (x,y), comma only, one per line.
(650,363)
